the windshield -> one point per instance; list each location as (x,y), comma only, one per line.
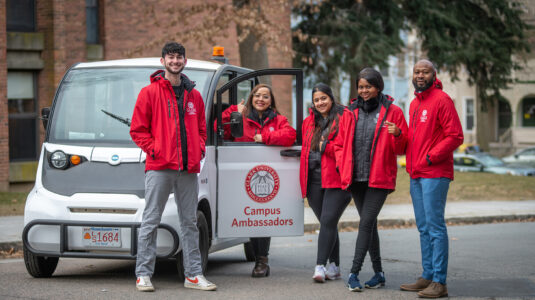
(95,105)
(491,161)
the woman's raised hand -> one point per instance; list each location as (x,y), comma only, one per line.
(241,106)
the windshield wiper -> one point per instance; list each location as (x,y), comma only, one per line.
(125,121)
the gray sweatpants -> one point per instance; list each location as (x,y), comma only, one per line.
(158,185)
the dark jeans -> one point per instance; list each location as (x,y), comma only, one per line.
(328,206)
(369,202)
(261,246)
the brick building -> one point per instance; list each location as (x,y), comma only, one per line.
(41,39)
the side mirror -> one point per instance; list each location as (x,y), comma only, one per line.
(481,168)
(516,156)
(236,124)
(45,112)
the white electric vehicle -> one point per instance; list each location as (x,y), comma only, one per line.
(88,197)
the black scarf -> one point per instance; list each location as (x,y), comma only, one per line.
(369,105)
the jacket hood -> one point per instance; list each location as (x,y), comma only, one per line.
(160,75)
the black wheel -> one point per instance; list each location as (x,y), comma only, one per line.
(204,246)
(249,251)
(39,266)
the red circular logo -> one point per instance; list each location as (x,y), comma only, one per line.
(262,183)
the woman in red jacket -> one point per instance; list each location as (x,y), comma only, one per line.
(262,124)
(320,181)
(366,152)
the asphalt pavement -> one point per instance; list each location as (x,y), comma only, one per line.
(486,261)
(391,215)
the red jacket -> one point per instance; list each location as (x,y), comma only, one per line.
(156,122)
(385,146)
(330,178)
(435,132)
(275,131)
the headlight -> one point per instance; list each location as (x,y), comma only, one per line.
(58,160)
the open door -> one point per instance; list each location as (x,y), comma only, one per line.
(258,191)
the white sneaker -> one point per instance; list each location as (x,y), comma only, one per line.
(200,283)
(143,284)
(333,272)
(319,274)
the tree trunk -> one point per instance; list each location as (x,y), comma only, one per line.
(249,56)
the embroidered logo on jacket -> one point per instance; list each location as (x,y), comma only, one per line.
(190,109)
(423,118)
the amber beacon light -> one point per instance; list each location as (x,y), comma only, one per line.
(218,54)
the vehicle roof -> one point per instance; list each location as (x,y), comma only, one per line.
(146,62)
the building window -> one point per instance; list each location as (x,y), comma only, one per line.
(469,114)
(528,112)
(20,15)
(22,107)
(91,15)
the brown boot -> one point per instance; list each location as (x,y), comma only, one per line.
(261,267)
(419,285)
(434,290)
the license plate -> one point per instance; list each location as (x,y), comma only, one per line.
(104,237)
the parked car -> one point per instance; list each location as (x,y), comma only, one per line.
(522,156)
(468,148)
(484,162)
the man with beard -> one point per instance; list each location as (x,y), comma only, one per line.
(169,125)
(434,133)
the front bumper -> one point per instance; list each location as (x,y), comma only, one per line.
(66,229)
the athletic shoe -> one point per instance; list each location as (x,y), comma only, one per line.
(333,272)
(353,283)
(378,280)
(143,284)
(319,274)
(199,282)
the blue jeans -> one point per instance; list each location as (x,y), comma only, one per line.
(429,201)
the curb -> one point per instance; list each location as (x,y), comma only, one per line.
(412,222)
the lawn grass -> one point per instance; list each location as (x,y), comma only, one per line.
(471,186)
(12,203)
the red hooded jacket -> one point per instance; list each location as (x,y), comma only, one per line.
(434,133)
(276,130)
(330,178)
(155,125)
(385,147)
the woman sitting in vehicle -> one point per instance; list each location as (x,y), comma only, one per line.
(262,124)
(261,121)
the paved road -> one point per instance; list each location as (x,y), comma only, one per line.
(492,261)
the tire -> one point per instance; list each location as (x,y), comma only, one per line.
(249,251)
(204,246)
(39,266)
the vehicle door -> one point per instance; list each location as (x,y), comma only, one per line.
(258,191)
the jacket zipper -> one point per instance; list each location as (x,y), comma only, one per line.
(414,131)
(169,107)
(177,137)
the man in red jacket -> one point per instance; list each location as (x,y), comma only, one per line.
(434,133)
(169,125)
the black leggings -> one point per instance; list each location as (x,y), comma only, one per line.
(261,246)
(369,202)
(328,206)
